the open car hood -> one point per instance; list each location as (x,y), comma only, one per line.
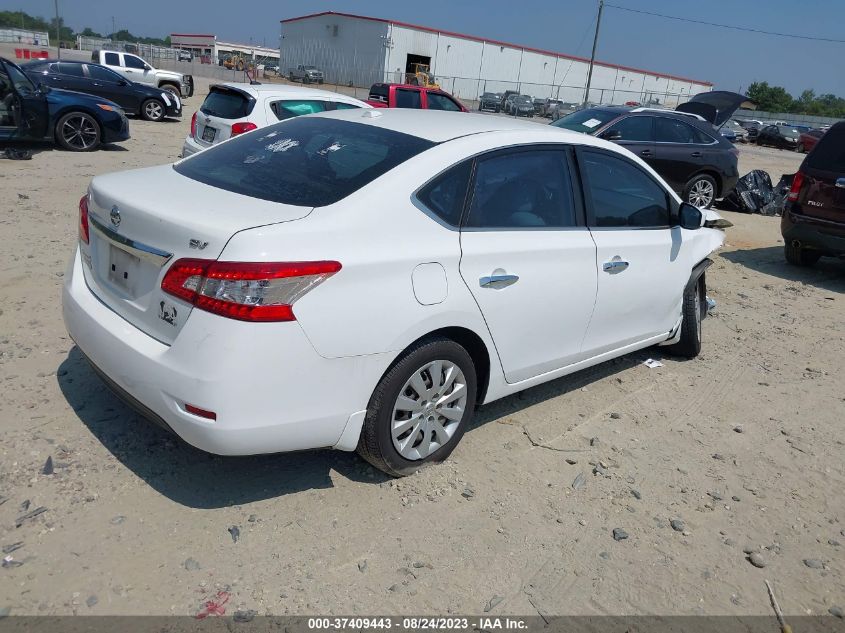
(717,106)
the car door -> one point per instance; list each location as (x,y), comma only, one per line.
(679,154)
(641,263)
(112,60)
(113,87)
(69,76)
(23,108)
(138,70)
(528,259)
(635,133)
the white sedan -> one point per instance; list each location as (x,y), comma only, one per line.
(363,279)
(231,109)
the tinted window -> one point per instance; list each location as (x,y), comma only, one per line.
(445,194)
(306,161)
(441,102)
(134,62)
(673,131)
(622,194)
(379,92)
(103,74)
(522,190)
(829,152)
(345,106)
(408,98)
(21,82)
(226,104)
(74,70)
(634,128)
(289,109)
(112,59)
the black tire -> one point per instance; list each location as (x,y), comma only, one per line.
(153,110)
(696,191)
(799,148)
(290,77)
(692,311)
(174,90)
(376,444)
(78,132)
(800,256)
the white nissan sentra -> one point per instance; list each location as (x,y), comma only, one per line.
(363,279)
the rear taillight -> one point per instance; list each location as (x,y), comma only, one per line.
(83,219)
(194,125)
(254,291)
(240,128)
(797,181)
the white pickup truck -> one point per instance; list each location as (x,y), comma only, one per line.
(136,69)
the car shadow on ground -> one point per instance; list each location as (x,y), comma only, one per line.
(197,479)
(828,273)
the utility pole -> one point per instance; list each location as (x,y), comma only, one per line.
(58,32)
(113,29)
(593,55)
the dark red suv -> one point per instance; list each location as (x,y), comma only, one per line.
(813,223)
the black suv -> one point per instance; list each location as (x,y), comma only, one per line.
(813,222)
(684,146)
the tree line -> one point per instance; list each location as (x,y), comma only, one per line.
(22,20)
(777,99)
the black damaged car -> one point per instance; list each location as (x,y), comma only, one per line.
(149,102)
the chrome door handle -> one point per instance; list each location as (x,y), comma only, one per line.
(840,182)
(614,266)
(645,152)
(696,154)
(498,281)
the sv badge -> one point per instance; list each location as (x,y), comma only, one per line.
(197,244)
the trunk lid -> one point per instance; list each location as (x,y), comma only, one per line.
(223,107)
(717,106)
(822,193)
(137,231)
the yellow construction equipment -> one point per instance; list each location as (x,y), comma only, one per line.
(421,76)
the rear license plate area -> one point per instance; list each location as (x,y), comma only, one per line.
(123,270)
(208,134)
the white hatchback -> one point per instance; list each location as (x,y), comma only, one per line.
(231,109)
(363,279)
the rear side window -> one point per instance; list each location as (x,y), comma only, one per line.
(621,194)
(673,131)
(441,102)
(527,189)
(289,109)
(112,59)
(74,70)
(306,161)
(445,195)
(829,152)
(408,98)
(226,104)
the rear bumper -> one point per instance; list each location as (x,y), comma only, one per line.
(191,147)
(822,235)
(270,390)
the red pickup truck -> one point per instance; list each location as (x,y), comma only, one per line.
(416,97)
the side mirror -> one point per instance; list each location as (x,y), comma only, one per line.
(147,67)
(690,217)
(611,135)
(43,88)
(122,82)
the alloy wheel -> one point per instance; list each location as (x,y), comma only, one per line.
(154,110)
(428,410)
(80,131)
(701,194)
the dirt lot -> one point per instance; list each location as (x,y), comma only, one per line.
(744,445)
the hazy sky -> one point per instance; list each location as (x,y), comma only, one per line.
(731,59)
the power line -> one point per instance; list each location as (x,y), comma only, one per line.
(727,26)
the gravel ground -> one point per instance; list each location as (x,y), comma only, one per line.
(703,464)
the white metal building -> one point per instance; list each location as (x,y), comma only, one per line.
(360,50)
(207,45)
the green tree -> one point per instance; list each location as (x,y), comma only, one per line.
(770,98)
(88,32)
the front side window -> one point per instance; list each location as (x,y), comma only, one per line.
(306,161)
(408,98)
(634,128)
(103,74)
(112,59)
(445,194)
(290,108)
(622,194)
(21,82)
(525,189)
(134,62)
(441,102)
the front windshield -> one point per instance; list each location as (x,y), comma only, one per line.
(586,121)
(523,99)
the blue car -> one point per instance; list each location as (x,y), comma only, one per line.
(77,122)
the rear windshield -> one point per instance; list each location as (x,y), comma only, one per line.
(378,92)
(306,161)
(587,121)
(829,152)
(226,104)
